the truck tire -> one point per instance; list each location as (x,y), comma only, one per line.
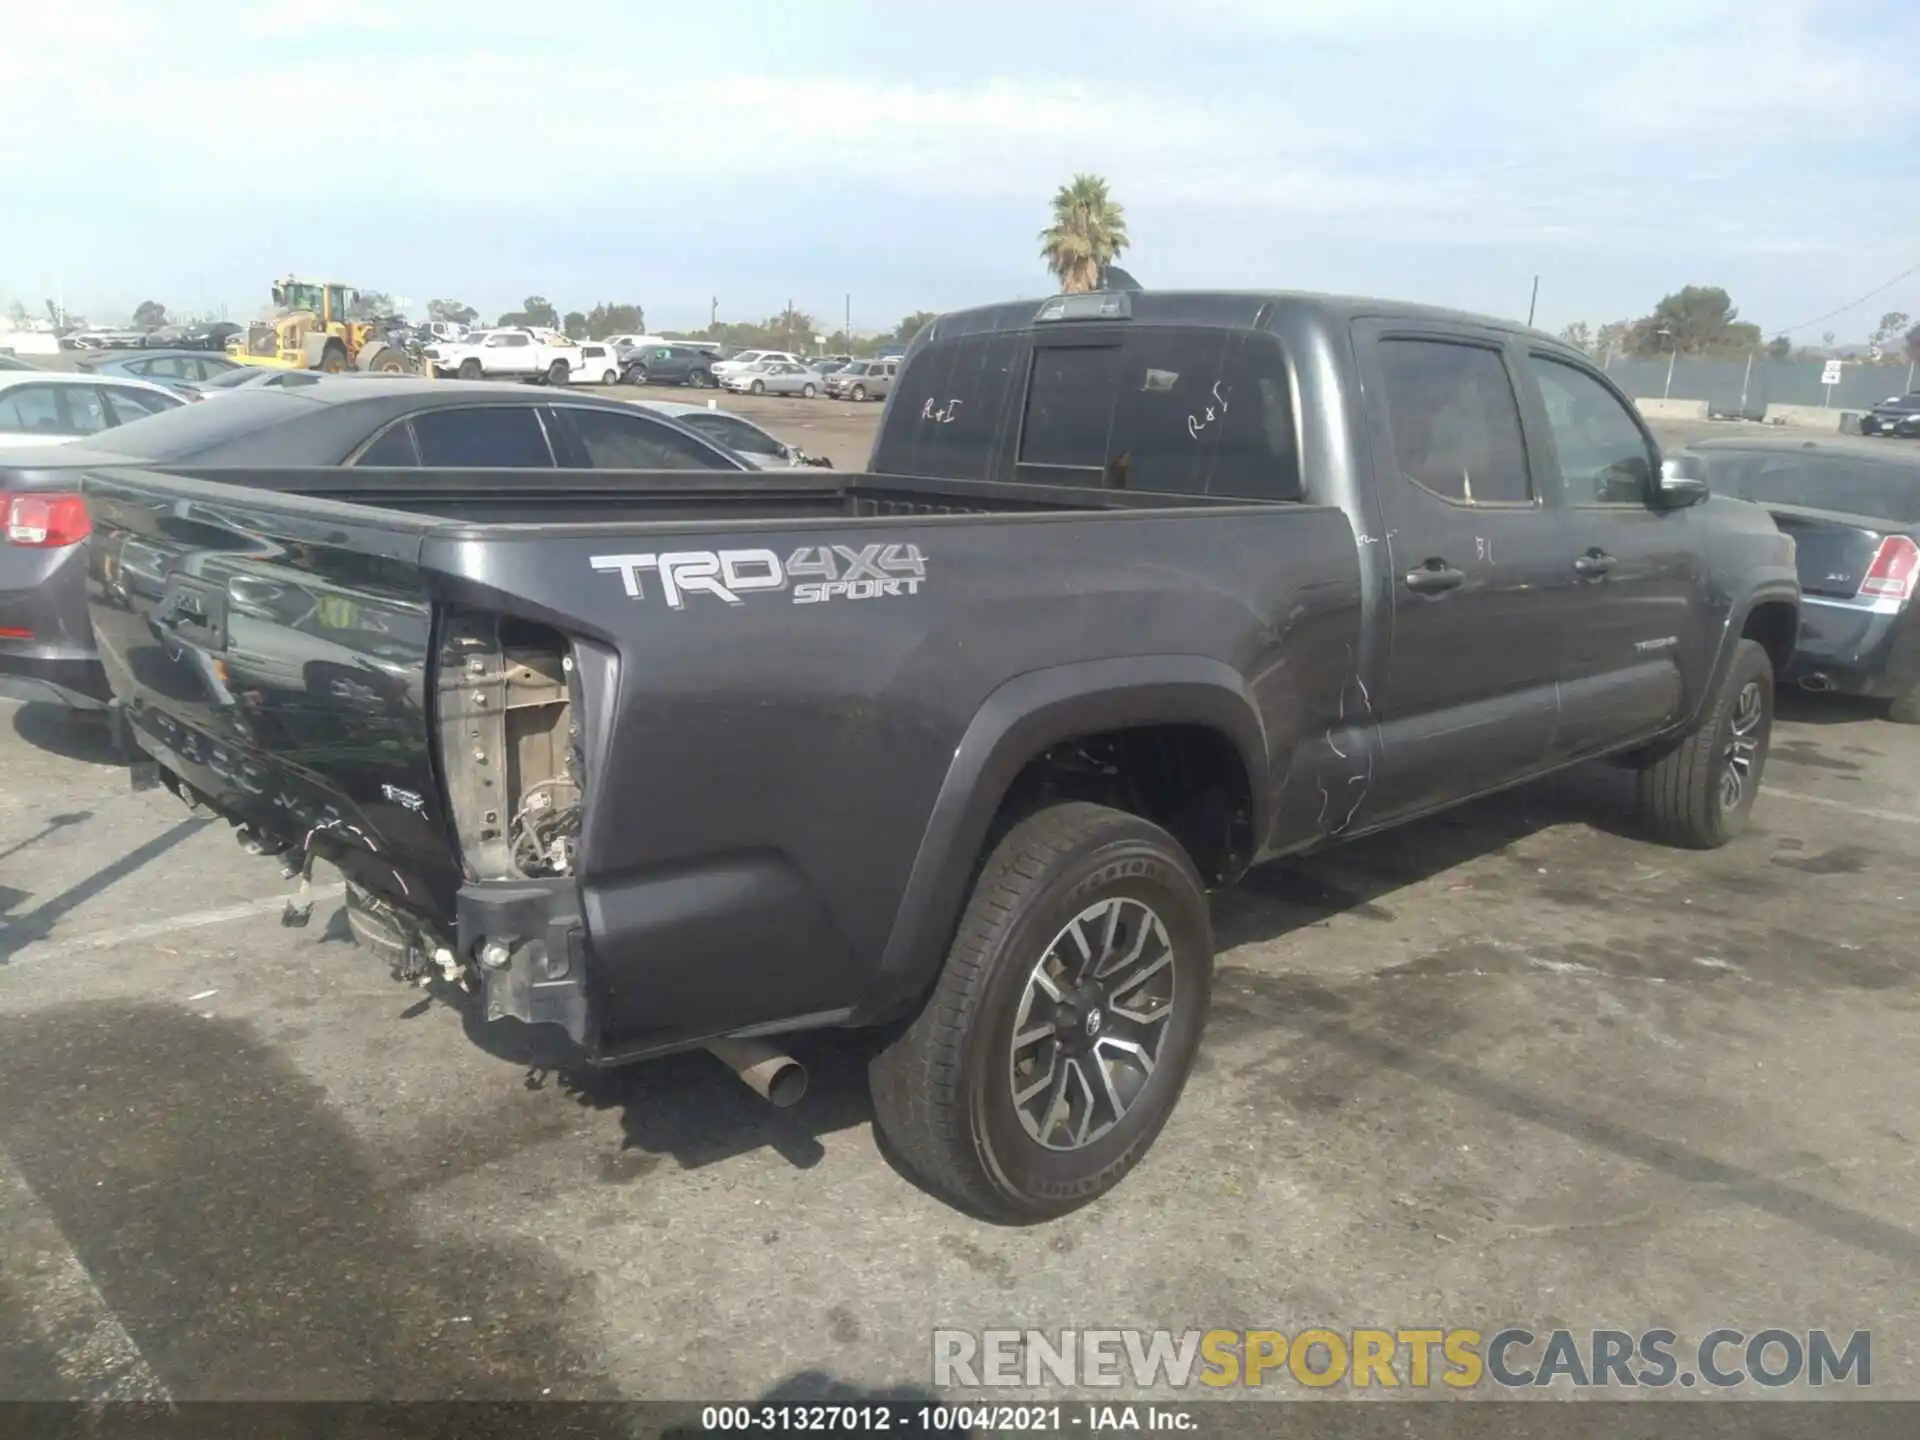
(333,360)
(557,373)
(1700,794)
(1020,1132)
(382,359)
(469,369)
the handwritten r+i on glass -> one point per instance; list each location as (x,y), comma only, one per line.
(1215,411)
(945,415)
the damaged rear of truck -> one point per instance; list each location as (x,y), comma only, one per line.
(698,758)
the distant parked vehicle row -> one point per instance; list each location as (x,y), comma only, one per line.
(667,363)
(775,377)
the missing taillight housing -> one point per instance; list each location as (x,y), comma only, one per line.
(45,521)
(509,746)
(1896,566)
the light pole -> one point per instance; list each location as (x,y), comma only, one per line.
(1673,353)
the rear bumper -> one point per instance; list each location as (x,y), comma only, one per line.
(1855,648)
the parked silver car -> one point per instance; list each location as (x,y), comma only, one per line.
(862,380)
(776,377)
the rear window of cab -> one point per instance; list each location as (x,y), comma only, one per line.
(1182,410)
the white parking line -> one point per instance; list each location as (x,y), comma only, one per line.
(58,945)
(1890,815)
(63,1307)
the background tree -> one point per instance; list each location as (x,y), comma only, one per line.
(1579,335)
(1611,339)
(17,312)
(1913,345)
(1826,339)
(150,314)
(1779,348)
(1089,230)
(451,312)
(1893,325)
(912,325)
(576,325)
(1694,320)
(609,319)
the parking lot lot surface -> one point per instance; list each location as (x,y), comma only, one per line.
(1511,1065)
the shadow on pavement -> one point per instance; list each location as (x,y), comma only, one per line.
(37,924)
(71,734)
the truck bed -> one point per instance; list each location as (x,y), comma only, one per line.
(710,737)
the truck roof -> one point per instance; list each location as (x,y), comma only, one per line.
(1225,308)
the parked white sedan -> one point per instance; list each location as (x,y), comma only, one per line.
(52,407)
(748,358)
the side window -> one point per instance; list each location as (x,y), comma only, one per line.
(735,434)
(1455,422)
(126,405)
(1205,412)
(393,449)
(1069,410)
(84,412)
(613,441)
(30,410)
(172,367)
(1604,457)
(502,437)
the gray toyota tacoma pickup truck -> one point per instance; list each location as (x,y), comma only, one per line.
(1138,590)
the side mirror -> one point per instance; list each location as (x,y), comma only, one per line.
(1681,483)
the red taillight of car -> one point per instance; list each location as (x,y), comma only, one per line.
(1896,564)
(45,522)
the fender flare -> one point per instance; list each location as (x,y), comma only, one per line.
(1765,591)
(1020,720)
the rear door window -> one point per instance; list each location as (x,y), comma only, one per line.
(83,411)
(394,449)
(613,441)
(945,415)
(125,404)
(504,437)
(1455,422)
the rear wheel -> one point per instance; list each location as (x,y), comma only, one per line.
(469,370)
(609,377)
(1064,1022)
(557,373)
(698,380)
(1906,709)
(1700,794)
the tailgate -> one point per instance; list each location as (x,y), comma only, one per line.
(278,662)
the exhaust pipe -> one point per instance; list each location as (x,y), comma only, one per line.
(772,1074)
(1818,684)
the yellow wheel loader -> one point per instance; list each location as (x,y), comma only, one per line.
(310,330)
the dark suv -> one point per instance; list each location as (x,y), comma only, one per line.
(668,365)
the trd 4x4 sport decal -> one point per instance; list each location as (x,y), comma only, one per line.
(813,574)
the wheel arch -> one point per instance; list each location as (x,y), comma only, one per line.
(1197,710)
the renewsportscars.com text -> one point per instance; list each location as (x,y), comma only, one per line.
(1414,1358)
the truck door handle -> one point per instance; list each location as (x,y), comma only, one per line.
(1433,577)
(1594,562)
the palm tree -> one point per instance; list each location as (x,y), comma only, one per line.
(1089,230)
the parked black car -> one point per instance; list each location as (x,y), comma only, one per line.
(46,649)
(211,336)
(668,365)
(1897,415)
(1853,510)
(1138,590)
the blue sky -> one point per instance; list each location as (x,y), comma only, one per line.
(903,151)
